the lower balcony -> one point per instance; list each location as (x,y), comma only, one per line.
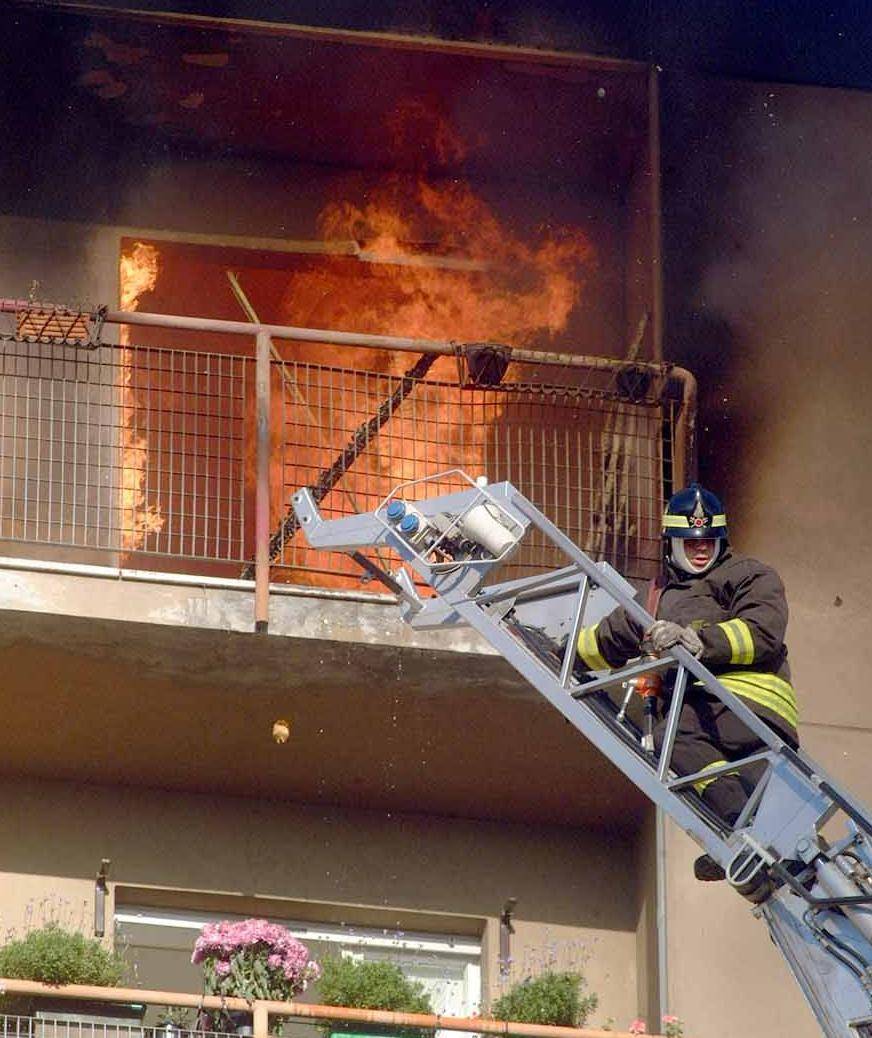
(106,1013)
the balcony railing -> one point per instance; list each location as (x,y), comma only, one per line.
(263,1015)
(179,451)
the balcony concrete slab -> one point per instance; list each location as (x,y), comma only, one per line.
(148,683)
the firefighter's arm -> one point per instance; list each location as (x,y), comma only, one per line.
(610,643)
(758,621)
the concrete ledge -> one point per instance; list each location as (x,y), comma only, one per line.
(136,596)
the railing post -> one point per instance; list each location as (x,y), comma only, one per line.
(260,1020)
(262,496)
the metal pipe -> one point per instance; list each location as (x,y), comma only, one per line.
(655,212)
(662,912)
(506,54)
(260,1020)
(315,1012)
(146,576)
(324,335)
(684,461)
(262,492)
(837,884)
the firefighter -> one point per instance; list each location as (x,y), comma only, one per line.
(730,612)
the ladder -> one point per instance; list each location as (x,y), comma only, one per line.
(813,891)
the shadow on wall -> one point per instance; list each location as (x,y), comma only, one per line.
(271,850)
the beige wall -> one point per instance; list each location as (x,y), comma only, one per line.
(786,278)
(575,889)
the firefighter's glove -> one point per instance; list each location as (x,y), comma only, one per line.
(664,635)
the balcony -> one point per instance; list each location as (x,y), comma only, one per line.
(145,485)
(179,459)
(301,1020)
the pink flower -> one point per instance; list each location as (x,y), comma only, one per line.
(669,1019)
(638,1027)
(245,947)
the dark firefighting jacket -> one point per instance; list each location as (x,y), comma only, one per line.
(739,611)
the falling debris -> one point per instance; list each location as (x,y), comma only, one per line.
(281,731)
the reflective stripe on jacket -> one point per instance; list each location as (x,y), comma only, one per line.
(739,610)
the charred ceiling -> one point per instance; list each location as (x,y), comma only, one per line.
(85,89)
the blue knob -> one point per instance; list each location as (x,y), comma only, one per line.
(396,510)
(409,524)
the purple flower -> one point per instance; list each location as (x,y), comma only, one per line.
(222,968)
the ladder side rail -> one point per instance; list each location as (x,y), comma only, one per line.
(524,588)
(639,771)
(672,720)
(816,774)
(572,641)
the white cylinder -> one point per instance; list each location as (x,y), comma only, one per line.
(836,884)
(480,524)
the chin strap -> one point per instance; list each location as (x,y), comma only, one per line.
(679,559)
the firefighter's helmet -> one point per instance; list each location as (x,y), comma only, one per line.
(693,512)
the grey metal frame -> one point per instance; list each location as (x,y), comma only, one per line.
(816,897)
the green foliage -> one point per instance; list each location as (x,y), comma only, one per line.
(552,998)
(359,984)
(57,956)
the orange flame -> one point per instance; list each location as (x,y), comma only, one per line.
(138,274)
(502,289)
(445,265)
(441,265)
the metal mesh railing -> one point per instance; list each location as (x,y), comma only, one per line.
(80,1021)
(149,452)
(593,462)
(123,449)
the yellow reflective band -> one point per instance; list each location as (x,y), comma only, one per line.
(588,649)
(766,690)
(702,784)
(681,522)
(741,643)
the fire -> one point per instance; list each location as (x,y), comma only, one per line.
(439,263)
(139,272)
(504,289)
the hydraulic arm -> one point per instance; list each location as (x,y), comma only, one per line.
(814,891)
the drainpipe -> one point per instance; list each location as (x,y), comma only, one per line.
(261,515)
(662,920)
(684,450)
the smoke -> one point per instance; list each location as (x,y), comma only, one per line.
(768,275)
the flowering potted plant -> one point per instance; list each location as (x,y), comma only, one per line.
(252,959)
